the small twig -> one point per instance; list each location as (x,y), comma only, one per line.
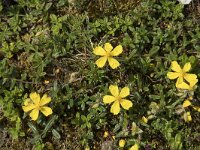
(151,79)
(18,80)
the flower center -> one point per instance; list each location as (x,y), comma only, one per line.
(182,73)
(37,107)
(108,54)
(118,98)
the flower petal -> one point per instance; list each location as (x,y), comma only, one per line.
(196,108)
(186,103)
(186,67)
(173,75)
(99,51)
(144,119)
(193,83)
(34,114)
(105,135)
(101,61)
(107,99)
(117,50)
(113,62)
(115,108)
(35,98)
(124,92)
(179,81)
(27,101)
(122,142)
(108,47)
(27,108)
(190,77)
(46,110)
(45,100)
(114,90)
(126,104)
(175,66)
(183,85)
(134,147)
(189,117)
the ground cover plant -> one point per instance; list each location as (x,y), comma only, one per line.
(105,75)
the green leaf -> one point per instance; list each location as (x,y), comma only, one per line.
(154,50)
(56,134)
(154,97)
(33,128)
(53,18)
(47,7)
(49,125)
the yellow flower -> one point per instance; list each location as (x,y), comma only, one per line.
(144,119)
(186,103)
(196,108)
(122,143)
(35,104)
(134,147)
(181,73)
(87,148)
(107,54)
(105,135)
(113,137)
(117,99)
(190,98)
(46,81)
(187,117)
(189,86)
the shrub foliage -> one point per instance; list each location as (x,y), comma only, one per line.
(47,47)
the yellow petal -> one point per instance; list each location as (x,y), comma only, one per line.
(186,67)
(113,63)
(173,75)
(114,90)
(115,108)
(46,81)
(99,51)
(183,85)
(190,77)
(193,83)
(28,101)
(190,98)
(189,118)
(144,119)
(46,110)
(101,61)
(126,104)
(134,147)
(196,108)
(105,135)
(117,50)
(179,81)
(107,99)
(28,107)
(175,66)
(122,143)
(45,100)
(34,114)
(113,137)
(124,92)
(35,98)
(186,103)
(108,47)
(87,148)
